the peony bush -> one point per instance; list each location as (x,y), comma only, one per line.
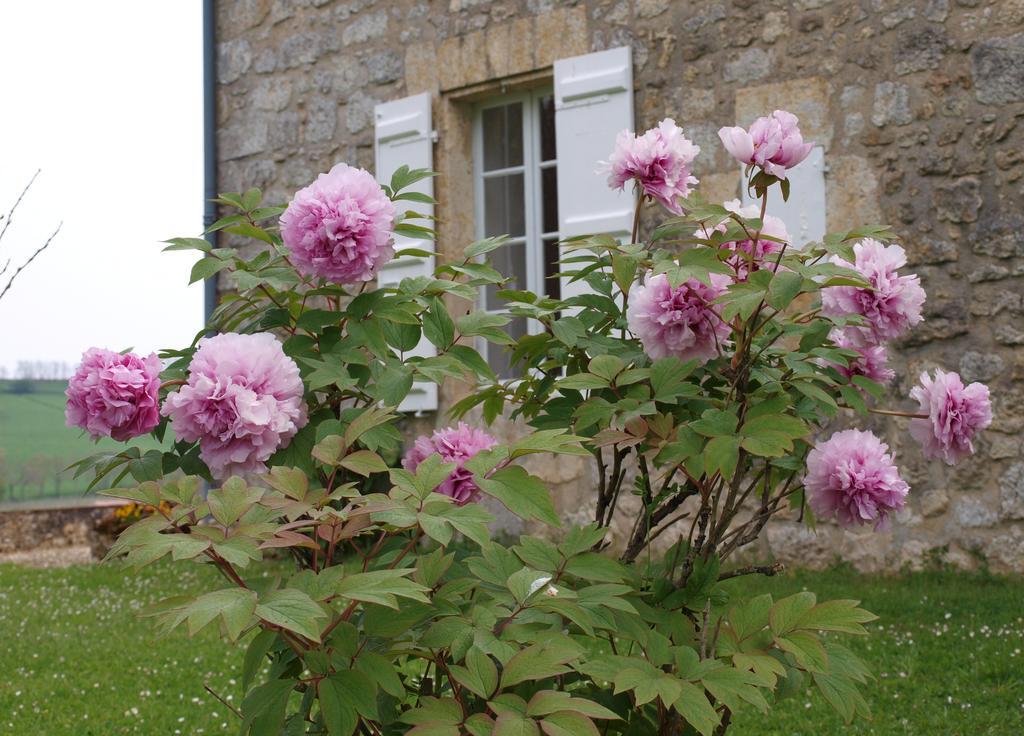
(703,370)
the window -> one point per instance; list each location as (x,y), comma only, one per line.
(516,182)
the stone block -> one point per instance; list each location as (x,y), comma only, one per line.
(720,187)
(365,27)
(977,366)
(958,201)
(997,69)
(892,104)
(1011,492)
(973,513)
(421,68)
(749,65)
(918,50)
(321,120)
(243,138)
(794,544)
(233,60)
(299,49)
(1002,447)
(1000,235)
(934,502)
(560,34)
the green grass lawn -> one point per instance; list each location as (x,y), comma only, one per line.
(36,445)
(948,654)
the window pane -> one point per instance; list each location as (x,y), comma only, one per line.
(503,136)
(552,284)
(510,261)
(498,356)
(547,128)
(504,206)
(549,199)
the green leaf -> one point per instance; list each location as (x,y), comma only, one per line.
(597,568)
(842,616)
(486,245)
(480,675)
(521,493)
(806,648)
(383,672)
(292,482)
(668,378)
(786,613)
(235,606)
(539,661)
(733,687)
(776,423)
(513,724)
(783,289)
(338,707)
(293,610)
(229,502)
(715,423)
(606,366)
(583,381)
(366,421)
(361,691)
(437,325)
(693,705)
(263,708)
(382,587)
(207,267)
(568,723)
(767,444)
(647,683)
(364,463)
(255,655)
(434,710)
(722,454)
(750,617)
(329,450)
(551,701)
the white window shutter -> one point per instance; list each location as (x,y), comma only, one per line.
(404,137)
(804,213)
(593,104)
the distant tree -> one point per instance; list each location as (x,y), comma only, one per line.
(3,231)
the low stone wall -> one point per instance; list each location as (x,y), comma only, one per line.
(45,528)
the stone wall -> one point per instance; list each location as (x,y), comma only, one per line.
(918,104)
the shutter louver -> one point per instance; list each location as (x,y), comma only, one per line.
(404,137)
(593,104)
(804,213)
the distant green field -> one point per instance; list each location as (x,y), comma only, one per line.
(36,445)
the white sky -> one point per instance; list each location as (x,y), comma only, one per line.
(106,98)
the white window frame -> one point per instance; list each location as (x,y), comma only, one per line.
(534,235)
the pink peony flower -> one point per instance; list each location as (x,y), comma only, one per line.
(339,227)
(659,161)
(751,255)
(243,402)
(114,395)
(678,321)
(851,477)
(894,303)
(873,362)
(454,445)
(774,143)
(955,414)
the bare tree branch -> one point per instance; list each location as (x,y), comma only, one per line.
(31,258)
(10,215)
